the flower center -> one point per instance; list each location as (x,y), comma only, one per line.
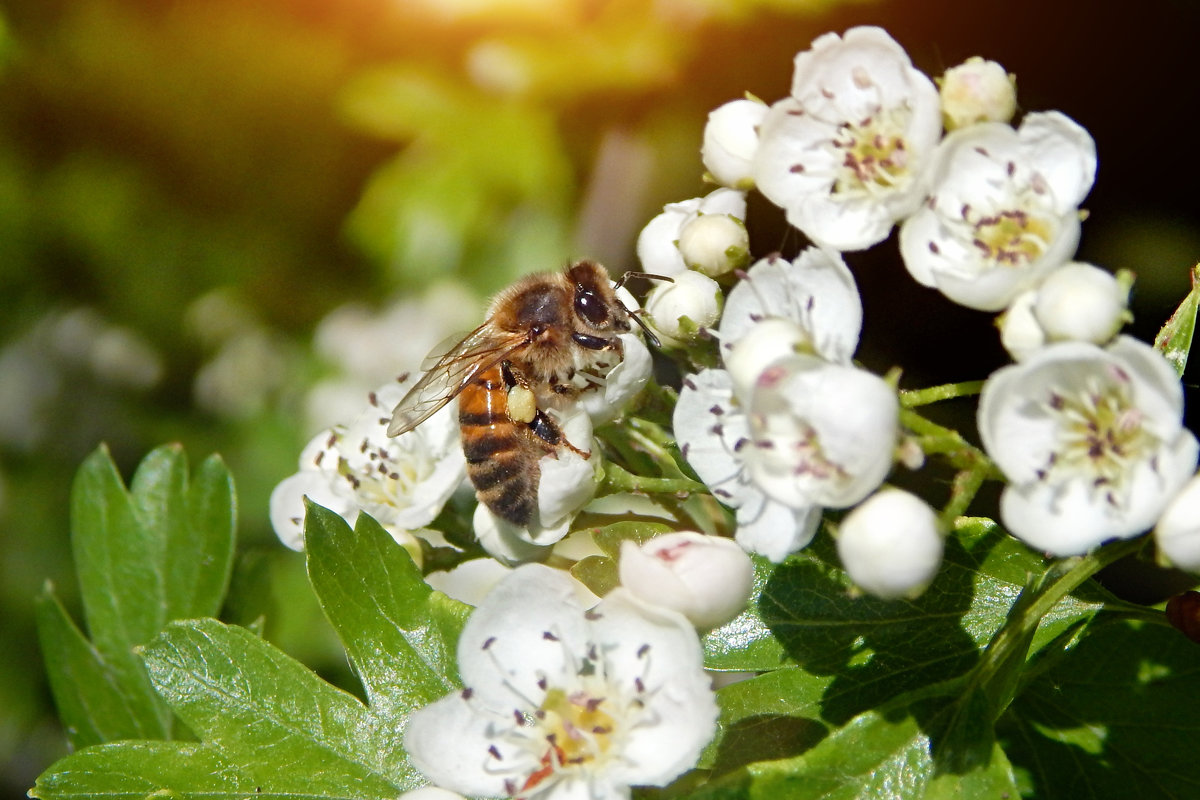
(1010,237)
(875,159)
(577,727)
(1101,436)
(386,475)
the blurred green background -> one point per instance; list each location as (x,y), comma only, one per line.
(222,222)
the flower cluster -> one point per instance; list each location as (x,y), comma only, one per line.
(568,694)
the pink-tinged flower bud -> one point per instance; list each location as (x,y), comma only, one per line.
(891,545)
(977,91)
(706,578)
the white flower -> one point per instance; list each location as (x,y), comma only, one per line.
(821,433)
(1003,209)
(657,244)
(681,309)
(714,435)
(402,482)
(1091,441)
(1178,530)
(706,578)
(714,244)
(816,291)
(566,483)
(730,140)
(810,435)
(891,545)
(977,91)
(844,155)
(562,701)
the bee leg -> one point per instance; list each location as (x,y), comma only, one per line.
(546,429)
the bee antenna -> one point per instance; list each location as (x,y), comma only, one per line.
(647,275)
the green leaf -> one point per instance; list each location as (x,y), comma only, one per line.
(400,634)
(774,715)
(140,770)
(1174,339)
(874,650)
(91,703)
(159,551)
(272,718)
(163,550)
(1115,716)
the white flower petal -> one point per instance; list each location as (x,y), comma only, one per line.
(449,741)
(816,291)
(774,530)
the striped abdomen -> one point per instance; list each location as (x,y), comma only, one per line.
(502,455)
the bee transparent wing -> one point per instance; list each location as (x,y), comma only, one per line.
(447,374)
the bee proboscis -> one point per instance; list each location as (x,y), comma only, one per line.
(544,339)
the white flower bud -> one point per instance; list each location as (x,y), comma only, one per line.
(681,308)
(1082,303)
(730,141)
(977,91)
(706,578)
(890,545)
(714,244)
(765,343)
(1178,529)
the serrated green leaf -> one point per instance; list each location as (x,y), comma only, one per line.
(272,718)
(141,770)
(874,649)
(118,560)
(158,551)
(91,704)
(400,634)
(1116,716)
(771,716)
(1174,339)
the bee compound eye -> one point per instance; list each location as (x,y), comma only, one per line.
(589,306)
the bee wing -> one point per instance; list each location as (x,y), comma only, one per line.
(446,375)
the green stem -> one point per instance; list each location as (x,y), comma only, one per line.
(619,479)
(912,398)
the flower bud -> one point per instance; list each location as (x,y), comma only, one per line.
(891,545)
(706,578)
(714,244)
(730,141)
(681,308)
(1178,530)
(977,91)
(765,343)
(1082,303)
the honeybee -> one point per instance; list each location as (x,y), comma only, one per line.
(545,339)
